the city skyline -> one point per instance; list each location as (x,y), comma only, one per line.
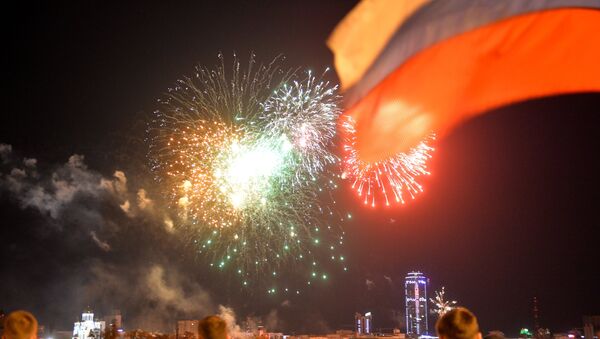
(416,307)
(90,326)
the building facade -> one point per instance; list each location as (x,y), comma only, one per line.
(88,327)
(187,329)
(363,324)
(415,289)
(115,320)
(591,326)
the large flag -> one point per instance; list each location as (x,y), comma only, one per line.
(413,67)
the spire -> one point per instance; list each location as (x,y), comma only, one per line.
(536,315)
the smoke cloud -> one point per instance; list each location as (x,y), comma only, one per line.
(105,245)
(69,191)
(161,295)
(5,150)
(105,242)
(234,330)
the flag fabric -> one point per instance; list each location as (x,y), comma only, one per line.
(441,62)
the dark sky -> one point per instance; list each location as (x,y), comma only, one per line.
(510,210)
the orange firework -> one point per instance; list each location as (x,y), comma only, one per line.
(389,179)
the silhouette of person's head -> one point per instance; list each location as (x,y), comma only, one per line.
(458,323)
(20,325)
(494,335)
(213,327)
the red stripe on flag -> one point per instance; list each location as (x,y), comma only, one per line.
(529,56)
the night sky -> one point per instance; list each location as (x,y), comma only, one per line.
(509,212)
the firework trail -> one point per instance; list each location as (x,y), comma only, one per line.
(246,160)
(391,179)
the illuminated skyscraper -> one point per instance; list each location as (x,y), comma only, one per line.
(363,324)
(415,289)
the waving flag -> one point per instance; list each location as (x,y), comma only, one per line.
(411,68)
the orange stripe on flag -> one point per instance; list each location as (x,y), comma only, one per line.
(371,23)
(528,56)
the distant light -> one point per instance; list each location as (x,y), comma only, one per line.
(571,336)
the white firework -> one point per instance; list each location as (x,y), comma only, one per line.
(440,304)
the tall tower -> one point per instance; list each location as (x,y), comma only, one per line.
(415,289)
(536,315)
(368,323)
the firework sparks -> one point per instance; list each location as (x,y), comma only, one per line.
(246,159)
(441,305)
(246,170)
(391,179)
(307,112)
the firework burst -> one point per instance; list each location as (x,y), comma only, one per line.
(440,304)
(307,112)
(391,179)
(246,161)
